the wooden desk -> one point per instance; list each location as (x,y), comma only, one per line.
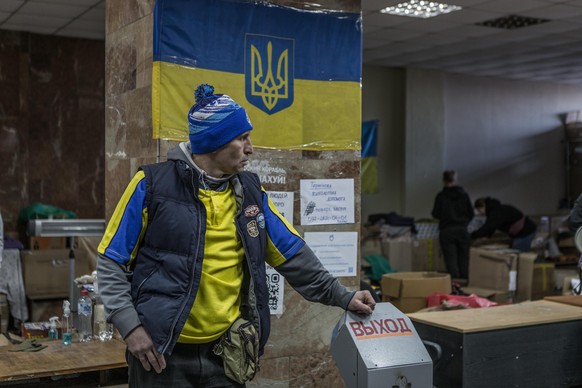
(574,300)
(501,317)
(58,359)
(530,344)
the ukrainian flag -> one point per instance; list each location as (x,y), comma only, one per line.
(369,157)
(296,72)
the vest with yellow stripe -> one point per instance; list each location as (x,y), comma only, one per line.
(168,266)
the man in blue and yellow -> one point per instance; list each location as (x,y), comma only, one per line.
(184,254)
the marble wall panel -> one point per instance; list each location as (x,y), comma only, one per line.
(314,369)
(117,176)
(144,50)
(297,354)
(139,123)
(120,63)
(51,124)
(120,14)
(14,162)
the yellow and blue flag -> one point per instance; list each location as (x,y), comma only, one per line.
(369,157)
(296,72)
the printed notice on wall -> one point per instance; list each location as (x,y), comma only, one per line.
(327,201)
(275,284)
(337,251)
(283,201)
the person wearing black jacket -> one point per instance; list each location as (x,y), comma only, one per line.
(507,219)
(453,208)
(575,219)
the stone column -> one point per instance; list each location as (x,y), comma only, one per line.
(297,354)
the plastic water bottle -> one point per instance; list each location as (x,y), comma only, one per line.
(85,310)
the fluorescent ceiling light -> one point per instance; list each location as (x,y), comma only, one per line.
(420,9)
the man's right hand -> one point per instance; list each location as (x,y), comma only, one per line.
(140,344)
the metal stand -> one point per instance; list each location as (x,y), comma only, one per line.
(73,294)
(68,229)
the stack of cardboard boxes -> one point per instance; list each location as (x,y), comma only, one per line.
(496,272)
(416,259)
(418,251)
(408,291)
(46,276)
(504,275)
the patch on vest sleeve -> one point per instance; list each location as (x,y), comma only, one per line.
(251,211)
(253,229)
(261,220)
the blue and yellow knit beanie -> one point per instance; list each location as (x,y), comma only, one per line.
(214,120)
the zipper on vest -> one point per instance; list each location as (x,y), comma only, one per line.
(190,286)
(252,292)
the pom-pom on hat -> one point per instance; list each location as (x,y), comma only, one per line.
(215,120)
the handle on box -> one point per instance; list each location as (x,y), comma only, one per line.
(435,351)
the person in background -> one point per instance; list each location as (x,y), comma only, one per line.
(454,210)
(507,219)
(575,223)
(184,254)
(575,218)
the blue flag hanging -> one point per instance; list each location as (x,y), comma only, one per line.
(369,160)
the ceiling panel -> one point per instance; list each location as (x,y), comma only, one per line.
(550,51)
(51,10)
(453,42)
(71,18)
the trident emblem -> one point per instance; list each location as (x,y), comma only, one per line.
(268,72)
(267,87)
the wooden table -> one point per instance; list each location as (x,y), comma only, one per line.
(500,317)
(58,359)
(530,344)
(574,300)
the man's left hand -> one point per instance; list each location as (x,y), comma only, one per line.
(362,302)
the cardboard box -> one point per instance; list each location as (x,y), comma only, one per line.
(567,242)
(427,255)
(40,310)
(399,253)
(371,247)
(525,274)
(571,285)
(534,280)
(493,268)
(408,290)
(559,223)
(543,281)
(46,272)
(36,243)
(38,329)
(561,272)
(498,238)
(4,341)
